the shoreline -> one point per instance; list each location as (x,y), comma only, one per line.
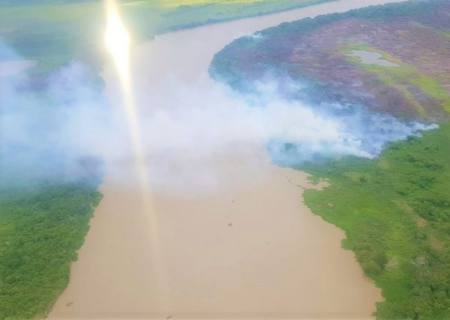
(215,259)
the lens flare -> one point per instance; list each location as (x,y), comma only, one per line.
(117,40)
(118,43)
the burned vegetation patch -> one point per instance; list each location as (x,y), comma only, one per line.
(391,59)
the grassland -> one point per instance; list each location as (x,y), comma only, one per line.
(395,212)
(401,76)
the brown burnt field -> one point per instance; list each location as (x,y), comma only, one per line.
(391,59)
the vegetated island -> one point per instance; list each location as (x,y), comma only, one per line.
(44,219)
(395,209)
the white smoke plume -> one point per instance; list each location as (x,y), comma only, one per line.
(46,133)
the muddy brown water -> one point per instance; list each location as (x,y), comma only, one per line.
(248,248)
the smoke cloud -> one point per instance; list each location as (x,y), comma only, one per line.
(54,133)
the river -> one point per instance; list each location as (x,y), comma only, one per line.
(241,246)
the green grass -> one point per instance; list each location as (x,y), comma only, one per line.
(395,211)
(401,77)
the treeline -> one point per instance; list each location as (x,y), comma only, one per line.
(395,212)
(426,11)
(41,230)
(30,26)
(189,16)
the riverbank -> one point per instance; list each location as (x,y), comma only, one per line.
(394,211)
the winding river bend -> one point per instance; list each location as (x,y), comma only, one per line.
(243,247)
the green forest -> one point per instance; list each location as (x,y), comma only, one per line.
(41,230)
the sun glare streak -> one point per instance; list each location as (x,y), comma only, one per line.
(117,39)
(118,43)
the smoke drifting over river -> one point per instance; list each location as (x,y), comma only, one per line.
(48,133)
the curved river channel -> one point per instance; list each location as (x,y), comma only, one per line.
(236,241)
